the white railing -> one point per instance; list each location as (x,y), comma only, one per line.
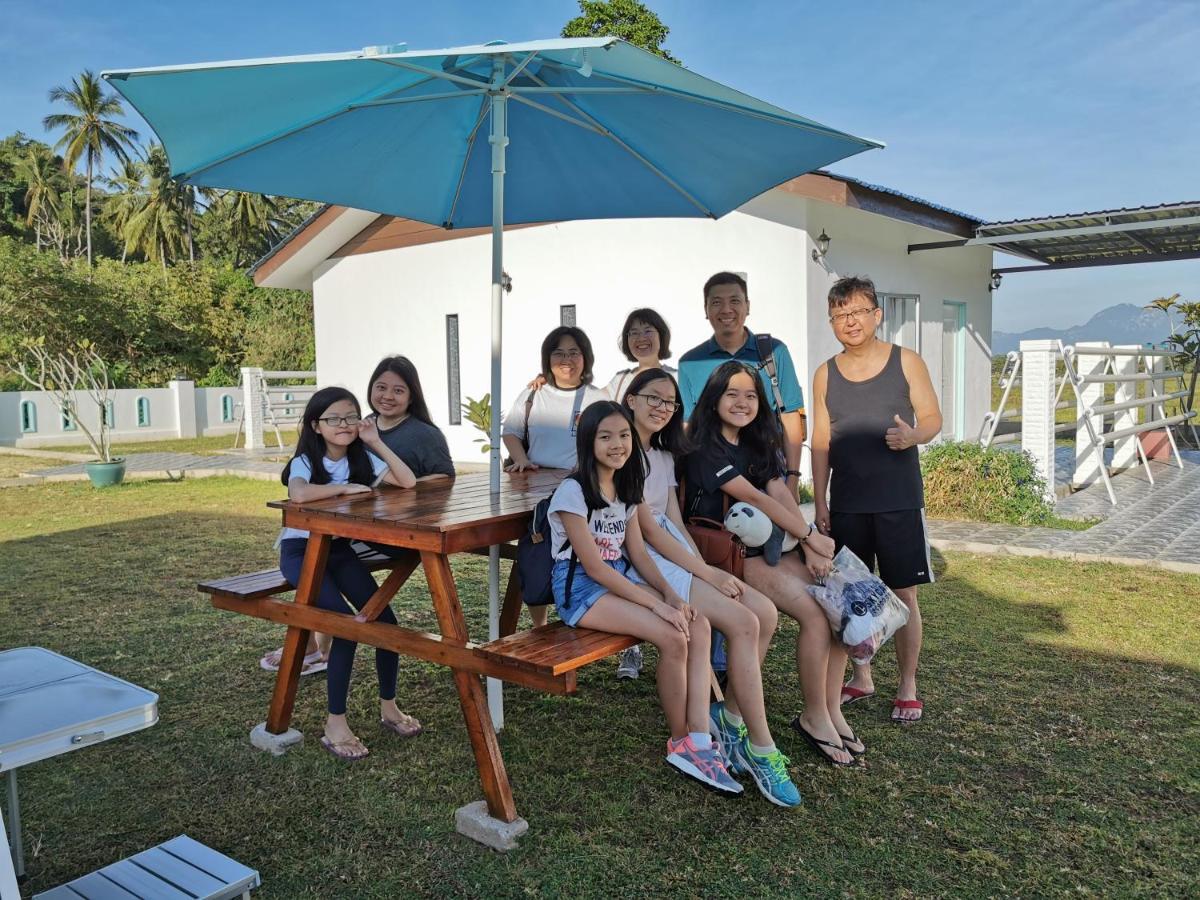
(270,403)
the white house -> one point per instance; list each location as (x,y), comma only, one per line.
(383,285)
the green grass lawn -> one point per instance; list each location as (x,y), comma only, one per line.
(205,446)
(1060,753)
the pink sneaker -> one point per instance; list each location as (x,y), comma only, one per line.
(704,765)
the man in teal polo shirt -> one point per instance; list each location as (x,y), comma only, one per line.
(726,305)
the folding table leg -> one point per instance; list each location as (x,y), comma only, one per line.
(312,570)
(15,844)
(488,759)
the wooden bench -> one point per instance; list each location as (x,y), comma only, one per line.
(179,869)
(545,658)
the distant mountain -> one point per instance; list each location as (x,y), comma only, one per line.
(1120,324)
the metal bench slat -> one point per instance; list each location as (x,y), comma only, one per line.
(182,875)
(141,883)
(62,892)
(215,863)
(95,886)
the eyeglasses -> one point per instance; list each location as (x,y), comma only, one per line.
(634,335)
(338,421)
(566,355)
(656,402)
(862,314)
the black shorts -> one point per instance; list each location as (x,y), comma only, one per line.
(896,540)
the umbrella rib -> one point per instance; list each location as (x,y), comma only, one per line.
(393,101)
(541,107)
(519,69)
(462,174)
(457,79)
(600,128)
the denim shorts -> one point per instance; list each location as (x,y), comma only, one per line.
(584,590)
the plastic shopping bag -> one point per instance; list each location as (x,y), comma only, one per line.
(862,610)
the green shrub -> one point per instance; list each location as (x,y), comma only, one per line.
(964,481)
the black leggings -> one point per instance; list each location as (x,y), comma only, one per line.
(346,587)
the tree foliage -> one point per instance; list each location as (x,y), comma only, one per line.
(203,320)
(630,20)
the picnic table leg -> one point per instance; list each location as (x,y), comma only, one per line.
(488,759)
(312,570)
(510,612)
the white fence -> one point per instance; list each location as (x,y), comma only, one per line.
(179,410)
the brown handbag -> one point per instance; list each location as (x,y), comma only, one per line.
(718,546)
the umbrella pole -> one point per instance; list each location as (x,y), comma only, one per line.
(499,141)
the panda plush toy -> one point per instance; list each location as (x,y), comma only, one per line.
(756,530)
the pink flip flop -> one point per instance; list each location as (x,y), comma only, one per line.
(313,662)
(338,749)
(853,694)
(411,728)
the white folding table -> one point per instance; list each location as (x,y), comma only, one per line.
(50,705)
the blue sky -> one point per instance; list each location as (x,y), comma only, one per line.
(1002,110)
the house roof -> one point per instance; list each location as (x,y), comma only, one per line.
(1163,233)
(335,231)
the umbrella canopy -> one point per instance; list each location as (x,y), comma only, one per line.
(597,128)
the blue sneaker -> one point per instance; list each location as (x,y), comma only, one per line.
(727,736)
(770,774)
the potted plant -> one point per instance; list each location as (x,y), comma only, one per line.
(70,376)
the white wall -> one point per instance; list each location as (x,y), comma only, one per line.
(371,305)
(166,405)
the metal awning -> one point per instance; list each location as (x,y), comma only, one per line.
(1105,238)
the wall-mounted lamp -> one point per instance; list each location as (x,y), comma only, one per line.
(822,246)
(994,285)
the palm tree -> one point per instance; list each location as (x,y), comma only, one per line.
(159,225)
(253,221)
(89,132)
(41,197)
(129,196)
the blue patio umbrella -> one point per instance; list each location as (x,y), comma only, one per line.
(497,134)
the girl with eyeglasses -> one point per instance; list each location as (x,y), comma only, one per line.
(742,614)
(332,460)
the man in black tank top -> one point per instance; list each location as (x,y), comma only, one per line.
(872,405)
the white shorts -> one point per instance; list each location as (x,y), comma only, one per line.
(678,578)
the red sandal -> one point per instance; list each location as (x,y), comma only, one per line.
(853,694)
(906,704)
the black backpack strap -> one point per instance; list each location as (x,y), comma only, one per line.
(766,360)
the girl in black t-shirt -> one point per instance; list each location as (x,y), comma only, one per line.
(737,458)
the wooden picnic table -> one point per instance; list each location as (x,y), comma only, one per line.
(432,521)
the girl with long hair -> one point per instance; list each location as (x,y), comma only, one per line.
(737,456)
(603,578)
(332,460)
(742,614)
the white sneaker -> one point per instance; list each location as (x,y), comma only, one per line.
(630,664)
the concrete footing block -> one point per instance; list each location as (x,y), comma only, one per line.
(275,744)
(474,821)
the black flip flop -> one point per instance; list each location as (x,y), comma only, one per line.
(818,745)
(852,738)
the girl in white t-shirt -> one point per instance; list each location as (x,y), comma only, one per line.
(332,460)
(604,579)
(742,614)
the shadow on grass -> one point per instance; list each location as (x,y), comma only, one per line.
(1038,769)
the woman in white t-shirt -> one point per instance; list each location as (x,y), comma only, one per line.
(746,617)
(646,340)
(603,578)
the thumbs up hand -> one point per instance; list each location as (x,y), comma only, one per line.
(902,436)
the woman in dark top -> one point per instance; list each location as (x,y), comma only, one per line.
(738,460)
(402,416)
